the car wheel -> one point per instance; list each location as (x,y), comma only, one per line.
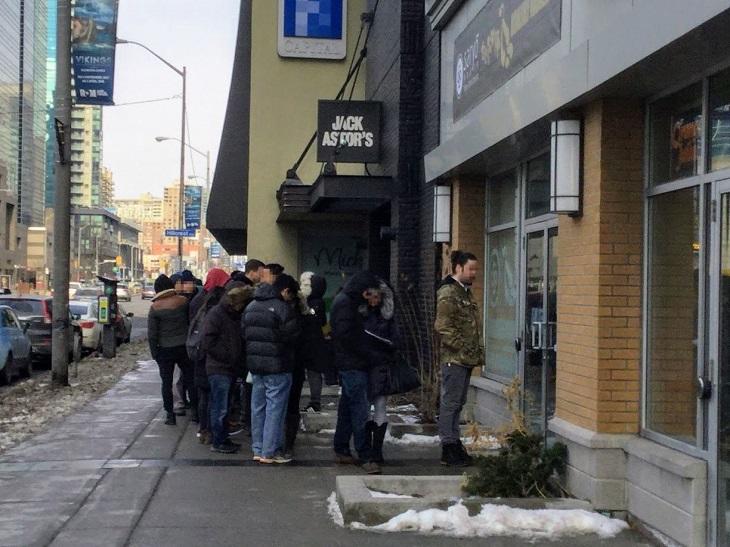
(28,369)
(7,373)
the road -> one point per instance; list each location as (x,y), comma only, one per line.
(139,308)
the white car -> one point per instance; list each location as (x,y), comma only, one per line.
(72,288)
(86,312)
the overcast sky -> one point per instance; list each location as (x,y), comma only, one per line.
(201,36)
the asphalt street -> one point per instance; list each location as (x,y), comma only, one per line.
(139,308)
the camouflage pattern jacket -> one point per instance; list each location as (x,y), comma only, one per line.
(458,325)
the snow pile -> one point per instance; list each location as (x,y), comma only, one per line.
(411,439)
(378,494)
(333,509)
(501,520)
(403,409)
(326,431)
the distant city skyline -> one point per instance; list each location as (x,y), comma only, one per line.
(184,32)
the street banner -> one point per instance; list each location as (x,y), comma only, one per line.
(193,206)
(93,44)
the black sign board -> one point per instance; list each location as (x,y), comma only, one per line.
(503,38)
(348,131)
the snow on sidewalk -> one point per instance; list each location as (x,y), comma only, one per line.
(493,520)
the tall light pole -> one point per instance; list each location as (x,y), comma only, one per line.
(203,219)
(62,200)
(181,203)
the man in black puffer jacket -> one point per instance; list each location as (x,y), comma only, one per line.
(354,355)
(271,330)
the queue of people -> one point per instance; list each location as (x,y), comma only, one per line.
(246,342)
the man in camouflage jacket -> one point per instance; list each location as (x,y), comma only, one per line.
(459,328)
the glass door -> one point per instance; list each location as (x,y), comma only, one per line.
(539,326)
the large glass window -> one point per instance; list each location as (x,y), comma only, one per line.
(673,297)
(538,186)
(502,201)
(719,112)
(676,135)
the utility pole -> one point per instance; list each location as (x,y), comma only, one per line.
(181,216)
(62,203)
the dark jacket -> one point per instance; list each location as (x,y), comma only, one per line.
(271,330)
(380,322)
(206,302)
(314,351)
(353,348)
(222,339)
(167,322)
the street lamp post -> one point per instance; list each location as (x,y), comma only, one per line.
(203,220)
(183,74)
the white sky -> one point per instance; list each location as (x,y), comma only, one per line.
(198,34)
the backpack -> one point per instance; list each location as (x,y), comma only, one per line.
(194,342)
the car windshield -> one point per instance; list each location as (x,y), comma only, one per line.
(24,308)
(81,309)
(87,292)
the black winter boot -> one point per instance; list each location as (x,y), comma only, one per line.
(468,460)
(170,419)
(291,428)
(451,456)
(377,446)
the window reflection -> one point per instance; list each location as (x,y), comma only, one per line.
(719,121)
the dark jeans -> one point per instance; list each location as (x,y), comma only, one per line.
(203,408)
(220,384)
(352,414)
(454,390)
(315,387)
(167,358)
(293,416)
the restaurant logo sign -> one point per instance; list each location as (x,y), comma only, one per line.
(504,37)
(348,131)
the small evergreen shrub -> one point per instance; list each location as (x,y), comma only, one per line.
(523,468)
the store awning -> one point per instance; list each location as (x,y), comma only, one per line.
(332,196)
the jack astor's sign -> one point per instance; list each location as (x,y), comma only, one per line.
(348,131)
(503,38)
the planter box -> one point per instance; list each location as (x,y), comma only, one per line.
(358,504)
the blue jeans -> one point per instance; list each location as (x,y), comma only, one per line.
(268,408)
(220,384)
(352,414)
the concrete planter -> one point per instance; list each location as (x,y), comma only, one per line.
(358,504)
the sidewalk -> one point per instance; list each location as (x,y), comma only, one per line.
(114,474)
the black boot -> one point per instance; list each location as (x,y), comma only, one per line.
(468,460)
(377,446)
(451,456)
(291,428)
(370,427)
(170,419)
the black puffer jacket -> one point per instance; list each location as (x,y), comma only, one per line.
(222,341)
(271,330)
(381,322)
(354,350)
(313,351)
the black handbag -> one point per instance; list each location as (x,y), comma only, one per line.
(402,378)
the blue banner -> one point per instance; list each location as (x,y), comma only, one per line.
(193,206)
(215,250)
(93,43)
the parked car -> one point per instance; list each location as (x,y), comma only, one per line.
(148,292)
(123,294)
(86,313)
(134,287)
(123,325)
(72,288)
(15,347)
(37,313)
(89,293)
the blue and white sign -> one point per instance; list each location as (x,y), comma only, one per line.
(193,206)
(215,250)
(313,29)
(93,45)
(174,232)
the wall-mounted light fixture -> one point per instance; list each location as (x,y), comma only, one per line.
(565,167)
(441,214)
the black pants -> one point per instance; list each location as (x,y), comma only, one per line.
(291,422)
(167,358)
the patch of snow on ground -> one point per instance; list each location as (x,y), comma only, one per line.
(333,508)
(377,494)
(410,409)
(501,520)
(490,442)
(410,419)
(327,431)
(411,439)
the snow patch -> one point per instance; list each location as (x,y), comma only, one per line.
(501,520)
(378,494)
(411,439)
(333,509)
(326,431)
(409,409)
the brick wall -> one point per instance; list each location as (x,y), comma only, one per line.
(599,276)
(467,204)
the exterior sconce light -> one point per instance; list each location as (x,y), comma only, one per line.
(565,167)
(441,214)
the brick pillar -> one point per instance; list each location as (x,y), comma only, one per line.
(467,224)
(599,276)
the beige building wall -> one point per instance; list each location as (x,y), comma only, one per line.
(284,95)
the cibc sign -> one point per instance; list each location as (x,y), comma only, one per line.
(348,131)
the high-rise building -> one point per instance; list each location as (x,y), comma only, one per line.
(86,156)
(142,209)
(106,192)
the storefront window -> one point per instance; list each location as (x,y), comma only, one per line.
(676,135)
(502,200)
(538,186)
(719,109)
(501,305)
(673,295)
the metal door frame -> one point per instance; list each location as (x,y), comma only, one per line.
(527,228)
(714,485)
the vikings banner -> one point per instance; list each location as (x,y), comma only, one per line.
(93,43)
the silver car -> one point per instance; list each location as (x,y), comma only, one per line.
(15,346)
(123,294)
